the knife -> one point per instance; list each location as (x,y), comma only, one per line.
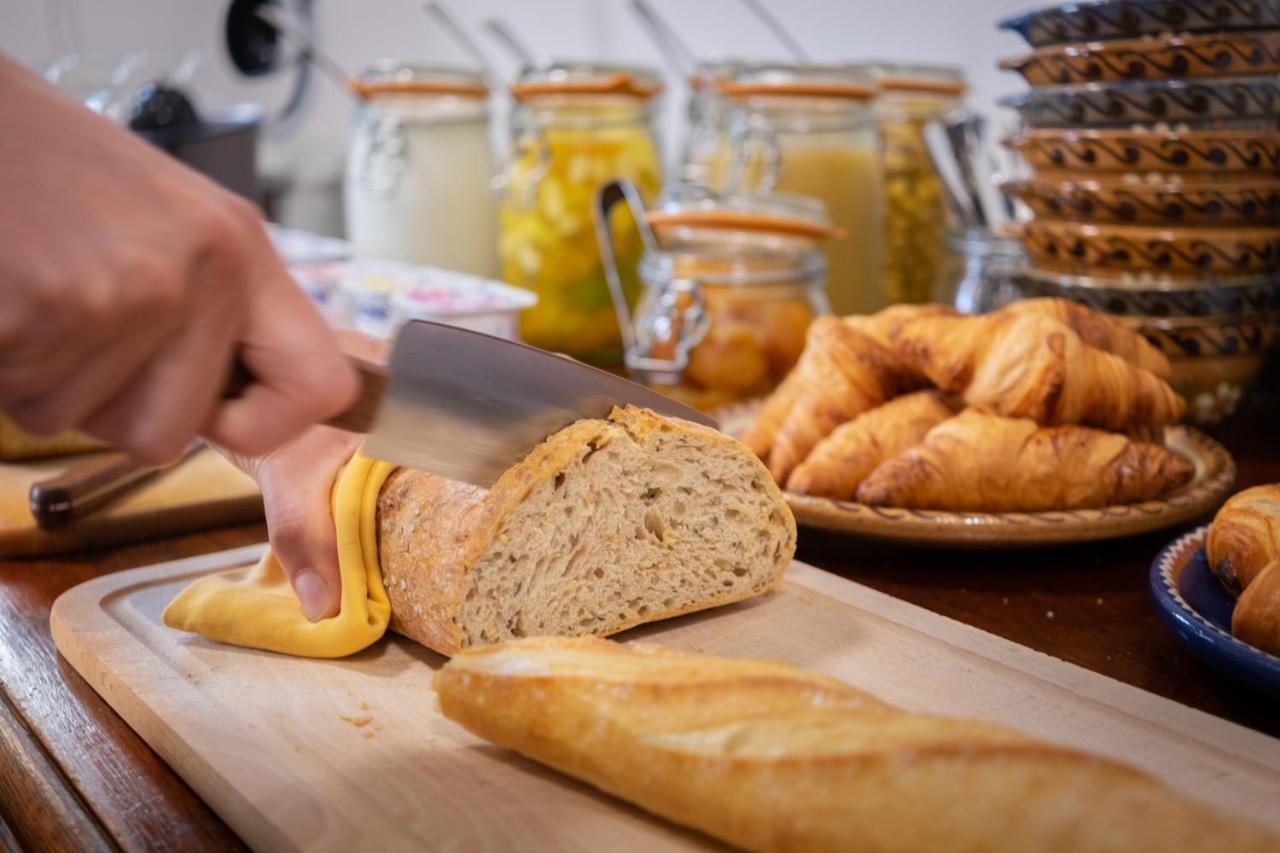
(454,402)
(468,406)
(84,487)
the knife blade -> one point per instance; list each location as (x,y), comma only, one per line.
(468,406)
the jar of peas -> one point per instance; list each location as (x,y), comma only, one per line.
(573,128)
(917,257)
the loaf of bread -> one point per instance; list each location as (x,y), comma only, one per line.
(607,524)
(768,757)
(17,444)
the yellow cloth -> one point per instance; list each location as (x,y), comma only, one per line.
(259,609)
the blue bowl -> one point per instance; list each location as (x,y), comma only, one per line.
(1197,610)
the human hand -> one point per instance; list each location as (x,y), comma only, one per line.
(131,284)
(296,481)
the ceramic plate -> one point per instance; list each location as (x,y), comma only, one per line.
(1099,202)
(1250,154)
(1217,101)
(1195,607)
(1108,19)
(1205,55)
(1215,474)
(1184,252)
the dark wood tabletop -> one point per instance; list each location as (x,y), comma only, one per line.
(74,776)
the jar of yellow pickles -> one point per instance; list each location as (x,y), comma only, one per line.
(573,128)
(808,130)
(731,283)
(917,228)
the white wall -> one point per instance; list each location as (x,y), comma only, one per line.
(961,32)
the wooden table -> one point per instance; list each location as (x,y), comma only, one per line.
(74,776)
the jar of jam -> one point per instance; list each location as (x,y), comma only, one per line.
(808,130)
(917,226)
(574,128)
(730,285)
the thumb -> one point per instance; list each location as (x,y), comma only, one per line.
(297,482)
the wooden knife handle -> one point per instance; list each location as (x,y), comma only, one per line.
(87,486)
(358,417)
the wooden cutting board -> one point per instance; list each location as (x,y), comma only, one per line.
(352,755)
(201,492)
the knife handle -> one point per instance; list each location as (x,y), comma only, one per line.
(357,417)
(86,486)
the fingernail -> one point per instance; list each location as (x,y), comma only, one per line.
(313,594)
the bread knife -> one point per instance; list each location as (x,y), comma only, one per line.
(455,402)
(468,406)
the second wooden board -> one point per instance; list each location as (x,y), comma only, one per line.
(353,755)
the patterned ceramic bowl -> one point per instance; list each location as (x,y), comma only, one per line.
(1141,296)
(1111,19)
(1255,152)
(1178,253)
(1151,58)
(1215,359)
(1088,197)
(1217,102)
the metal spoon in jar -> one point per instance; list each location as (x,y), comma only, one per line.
(293,30)
(454,30)
(757,8)
(513,43)
(678,55)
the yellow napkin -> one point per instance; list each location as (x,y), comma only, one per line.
(259,609)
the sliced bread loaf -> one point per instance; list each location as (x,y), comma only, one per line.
(606,525)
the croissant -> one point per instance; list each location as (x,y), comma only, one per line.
(1098,330)
(841,460)
(1243,550)
(846,374)
(1256,619)
(982,462)
(760,435)
(885,324)
(1034,366)
(1245,536)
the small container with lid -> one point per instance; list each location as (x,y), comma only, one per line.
(731,283)
(574,127)
(916,221)
(419,168)
(808,130)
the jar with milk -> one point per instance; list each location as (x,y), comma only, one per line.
(419,169)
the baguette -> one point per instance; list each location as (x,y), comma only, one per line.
(768,757)
(606,525)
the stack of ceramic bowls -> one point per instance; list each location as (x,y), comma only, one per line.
(1152,132)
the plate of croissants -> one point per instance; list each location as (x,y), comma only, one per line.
(1041,423)
(1218,588)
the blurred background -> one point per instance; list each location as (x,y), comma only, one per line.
(303,161)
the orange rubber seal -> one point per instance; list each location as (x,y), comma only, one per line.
(622,84)
(367,90)
(736,220)
(922,84)
(849,91)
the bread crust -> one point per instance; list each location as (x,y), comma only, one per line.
(769,757)
(433,531)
